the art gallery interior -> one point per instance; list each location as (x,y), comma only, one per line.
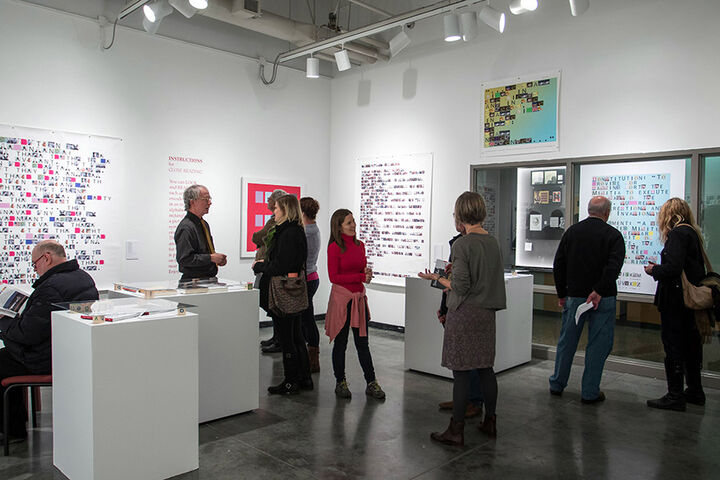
(251,91)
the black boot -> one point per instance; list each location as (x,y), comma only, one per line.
(674,399)
(268,342)
(284,388)
(694,393)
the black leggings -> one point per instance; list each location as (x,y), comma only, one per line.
(309,327)
(295,356)
(362,346)
(461,387)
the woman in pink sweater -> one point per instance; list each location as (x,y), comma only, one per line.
(347,307)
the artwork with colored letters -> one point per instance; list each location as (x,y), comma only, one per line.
(56,185)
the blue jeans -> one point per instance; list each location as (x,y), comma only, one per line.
(601,327)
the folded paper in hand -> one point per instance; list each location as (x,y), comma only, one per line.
(582,309)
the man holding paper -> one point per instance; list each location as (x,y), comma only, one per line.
(27,337)
(586,267)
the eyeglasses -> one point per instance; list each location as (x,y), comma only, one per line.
(207,199)
(34,262)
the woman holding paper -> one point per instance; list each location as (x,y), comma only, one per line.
(286,255)
(476,290)
(683,252)
(347,307)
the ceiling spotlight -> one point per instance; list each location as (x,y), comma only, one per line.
(578,7)
(521,6)
(399,42)
(342,60)
(492,18)
(150,27)
(312,67)
(468,25)
(452,27)
(184,7)
(156,11)
(199,4)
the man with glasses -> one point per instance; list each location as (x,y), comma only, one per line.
(27,337)
(195,250)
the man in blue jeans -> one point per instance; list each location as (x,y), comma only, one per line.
(586,267)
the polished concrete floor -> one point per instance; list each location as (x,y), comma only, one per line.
(316,435)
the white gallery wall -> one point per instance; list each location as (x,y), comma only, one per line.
(637,76)
(167,98)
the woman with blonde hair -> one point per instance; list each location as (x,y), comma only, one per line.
(347,307)
(476,291)
(683,252)
(286,255)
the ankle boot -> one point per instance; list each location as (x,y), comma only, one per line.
(454,435)
(489,426)
(314,354)
(694,393)
(674,399)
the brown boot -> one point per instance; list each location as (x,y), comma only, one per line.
(445,405)
(314,355)
(489,426)
(454,435)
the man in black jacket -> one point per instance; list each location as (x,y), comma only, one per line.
(587,264)
(195,251)
(27,337)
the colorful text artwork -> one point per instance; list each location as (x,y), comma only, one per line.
(521,113)
(394,215)
(55,186)
(636,199)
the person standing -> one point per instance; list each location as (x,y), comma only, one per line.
(286,255)
(347,306)
(683,252)
(310,207)
(272,344)
(476,291)
(586,267)
(195,249)
(27,337)
(475,402)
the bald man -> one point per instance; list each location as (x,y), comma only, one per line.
(586,267)
(27,337)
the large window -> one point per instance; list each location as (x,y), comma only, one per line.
(521,195)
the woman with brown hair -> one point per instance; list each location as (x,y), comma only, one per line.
(476,290)
(683,252)
(310,207)
(347,307)
(286,255)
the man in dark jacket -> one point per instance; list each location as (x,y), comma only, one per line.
(195,251)
(27,337)
(587,263)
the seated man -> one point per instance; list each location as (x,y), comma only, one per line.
(27,337)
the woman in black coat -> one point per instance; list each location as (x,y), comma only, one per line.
(287,253)
(680,336)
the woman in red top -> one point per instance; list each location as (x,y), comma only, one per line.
(347,307)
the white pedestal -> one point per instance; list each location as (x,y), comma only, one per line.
(125,397)
(424,334)
(228,339)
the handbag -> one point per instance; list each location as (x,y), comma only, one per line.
(288,295)
(696,297)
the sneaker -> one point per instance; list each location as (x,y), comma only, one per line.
(342,390)
(590,401)
(373,390)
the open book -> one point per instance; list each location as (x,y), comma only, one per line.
(11,301)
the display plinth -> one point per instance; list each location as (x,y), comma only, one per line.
(424,334)
(125,396)
(228,339)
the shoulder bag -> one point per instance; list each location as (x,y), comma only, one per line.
(287,294)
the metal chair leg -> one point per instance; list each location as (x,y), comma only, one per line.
(6,423)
